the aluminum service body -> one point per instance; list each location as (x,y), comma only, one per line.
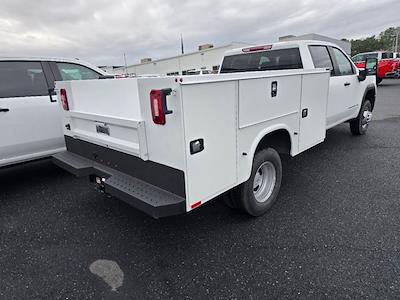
(231,113)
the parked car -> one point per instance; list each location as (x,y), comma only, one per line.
(388,63)
(168,145)
(29,115)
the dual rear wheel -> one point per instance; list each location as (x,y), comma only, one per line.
(259,192)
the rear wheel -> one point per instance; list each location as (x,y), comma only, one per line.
(230,198)
(257,195)
(359,125)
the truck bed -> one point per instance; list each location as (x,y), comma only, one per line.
(109,126)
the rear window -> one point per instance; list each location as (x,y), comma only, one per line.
(262,61)
(320,57)
(22,79)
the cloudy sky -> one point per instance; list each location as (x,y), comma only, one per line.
(100,31)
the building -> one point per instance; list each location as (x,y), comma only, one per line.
(207,58)
(345,45)
(109,69)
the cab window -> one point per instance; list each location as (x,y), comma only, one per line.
(371,55)
(358,58)
(281,59)
(344,66)
(321,57)
(70,71)
(22,79)
(387,55)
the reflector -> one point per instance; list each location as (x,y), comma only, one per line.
(64,99)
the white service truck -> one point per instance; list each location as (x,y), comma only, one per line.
(168,145)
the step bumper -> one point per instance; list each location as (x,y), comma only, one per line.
(146,197)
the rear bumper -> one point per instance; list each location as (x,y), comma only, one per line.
(146,197)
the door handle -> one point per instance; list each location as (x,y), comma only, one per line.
(347,84)
(164,94)
(274,88)
(52,93)
(4,110)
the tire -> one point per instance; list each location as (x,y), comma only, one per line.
(257,195)
(378,80)
(230,199)
(359,125)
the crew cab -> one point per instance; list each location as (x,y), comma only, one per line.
(168,145)
(388,63)
(29,112)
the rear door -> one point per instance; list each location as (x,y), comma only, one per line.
(342,101)
(345,86)
(29,121)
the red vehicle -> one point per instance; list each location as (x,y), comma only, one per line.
(388,64)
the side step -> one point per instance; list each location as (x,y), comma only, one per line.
(142,195)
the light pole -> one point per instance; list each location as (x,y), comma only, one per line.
(126,66)
(395,41)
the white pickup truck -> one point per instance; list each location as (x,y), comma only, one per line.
(29,113)
(168,145)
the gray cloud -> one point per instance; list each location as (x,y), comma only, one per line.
(100,31)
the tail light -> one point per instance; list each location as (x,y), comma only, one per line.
(64,99)
(257,48)
(156,107)
(158,104)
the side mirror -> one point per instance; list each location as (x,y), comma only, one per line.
(371,68)
(362,75)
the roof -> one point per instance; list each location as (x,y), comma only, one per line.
(310,36)
(284,45)
(42,58)
(371,52)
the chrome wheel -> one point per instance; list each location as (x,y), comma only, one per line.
(367,117)
(264,181)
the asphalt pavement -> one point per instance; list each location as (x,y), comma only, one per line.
(334,232)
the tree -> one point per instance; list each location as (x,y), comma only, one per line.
(365,45)
(384,41)
(388,37)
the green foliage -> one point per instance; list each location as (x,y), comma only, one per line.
(384,41)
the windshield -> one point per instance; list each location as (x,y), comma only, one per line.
(364,56)
(262,61)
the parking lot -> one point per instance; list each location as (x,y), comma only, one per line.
(334,231)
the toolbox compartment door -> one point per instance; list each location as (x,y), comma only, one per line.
(314,100)
(210,111)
